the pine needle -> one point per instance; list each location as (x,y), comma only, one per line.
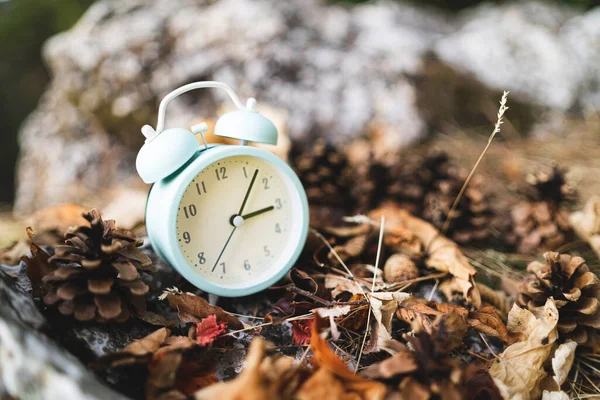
(496,130)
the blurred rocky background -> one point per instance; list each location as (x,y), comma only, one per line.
(392,72)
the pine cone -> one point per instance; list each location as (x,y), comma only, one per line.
(472,217)
(428,373)
(326,175)
(97,272)
(575,290)
(412,177)
(541,222)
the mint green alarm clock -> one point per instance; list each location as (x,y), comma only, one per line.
(231,219)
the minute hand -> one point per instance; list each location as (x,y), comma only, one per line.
(257,212)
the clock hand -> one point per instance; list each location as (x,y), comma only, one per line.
(257,212)
(248,192)
(223,250)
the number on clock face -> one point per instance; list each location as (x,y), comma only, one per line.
(222,244)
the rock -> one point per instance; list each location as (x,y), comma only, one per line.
(543,53)
(31,365)
(338,72)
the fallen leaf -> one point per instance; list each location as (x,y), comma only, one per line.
(546,395)
(401,363)
(341,284)
(326,359)
(356,318)
(562,362)
(586,223)
(384,306)
(323,385)
(519,370)
(443,254)
(192,308)
(301,331)
(488,321)
(263,377)
(38,265)
(177,366)
(443,321)
(209,329)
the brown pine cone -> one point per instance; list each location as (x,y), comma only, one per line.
(472,217)
(325,174)
(575,290)
(541,222)
(97,272)
(411,177)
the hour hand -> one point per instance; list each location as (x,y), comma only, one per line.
(257,212)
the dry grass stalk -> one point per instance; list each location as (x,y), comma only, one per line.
(496,130)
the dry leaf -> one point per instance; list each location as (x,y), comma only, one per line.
(301,331)
(586,223)
(263,377)
(445,322)
(323,385)
(561,362)
(488,321)
(519,370)
(443,254)
(209,329)
(384,306)
(340,284)
(327,360)
(401,363)
(554,395)
(192,308)
(37,265)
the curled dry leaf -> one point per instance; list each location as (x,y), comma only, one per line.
(442,253)
(488,321)
(446,323)
(38,265)
(264,377)
(519,370)
(192,308)
(333,369)
(586,223)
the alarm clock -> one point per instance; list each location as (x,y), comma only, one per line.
(231,219)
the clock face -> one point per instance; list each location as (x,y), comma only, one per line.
(235,221)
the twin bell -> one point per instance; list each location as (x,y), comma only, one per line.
(166,151)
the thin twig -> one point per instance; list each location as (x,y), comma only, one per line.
(379,246)
(319,300)
(496,130)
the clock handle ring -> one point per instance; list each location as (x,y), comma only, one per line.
(150,133)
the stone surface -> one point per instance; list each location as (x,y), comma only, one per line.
(340,72)
(31,365)
(542,53)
